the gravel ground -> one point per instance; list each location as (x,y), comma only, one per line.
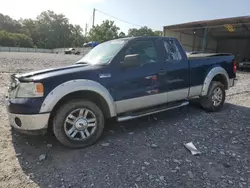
(146,152)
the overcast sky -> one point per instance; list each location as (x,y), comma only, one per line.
(153,13)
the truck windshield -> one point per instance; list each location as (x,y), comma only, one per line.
(103,53)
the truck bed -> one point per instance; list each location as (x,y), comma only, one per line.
(201,63)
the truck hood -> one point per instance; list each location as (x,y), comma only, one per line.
(40,74)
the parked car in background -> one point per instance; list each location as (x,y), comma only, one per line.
(244,64)
(123,79)
(72,51)
(91,44)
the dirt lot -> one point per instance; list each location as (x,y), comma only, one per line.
(146,152)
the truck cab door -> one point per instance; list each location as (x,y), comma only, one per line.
(139,86)
(177,67)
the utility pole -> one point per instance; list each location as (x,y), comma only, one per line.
(86,28)
(93,18)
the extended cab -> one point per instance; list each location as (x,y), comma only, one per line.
(123,79)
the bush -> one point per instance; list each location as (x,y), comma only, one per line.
(15,39)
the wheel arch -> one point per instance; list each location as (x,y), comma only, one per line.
(215,74)
(80,89)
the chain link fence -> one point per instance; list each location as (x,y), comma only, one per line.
(41,50)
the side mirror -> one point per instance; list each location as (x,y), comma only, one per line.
(132,60)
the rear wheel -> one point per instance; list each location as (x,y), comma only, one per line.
(78,123)
(215,98)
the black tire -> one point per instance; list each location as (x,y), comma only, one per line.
(60,117)
(206,101)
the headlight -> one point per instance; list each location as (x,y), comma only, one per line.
(29,90)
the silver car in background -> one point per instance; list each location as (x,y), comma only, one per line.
(244,64)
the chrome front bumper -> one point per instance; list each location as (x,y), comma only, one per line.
(29,122)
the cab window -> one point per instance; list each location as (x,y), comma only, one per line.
(172,51)
(145,49)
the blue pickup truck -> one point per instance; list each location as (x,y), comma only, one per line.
(123,79)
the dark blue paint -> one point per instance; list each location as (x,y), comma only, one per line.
(126,83)
(199,68)
(25,106)
(178,73)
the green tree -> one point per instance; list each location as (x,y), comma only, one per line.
(15,39)
(103,32)
(158,33)
(143,31)
(30,28)
(6,39)
(22,40)
(54,30)
(122,35)
(77,37)
(8,24)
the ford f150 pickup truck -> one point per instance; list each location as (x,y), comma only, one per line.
(124,79)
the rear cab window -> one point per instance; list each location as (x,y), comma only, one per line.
(172,51)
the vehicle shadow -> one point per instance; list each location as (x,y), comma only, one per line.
(64,167)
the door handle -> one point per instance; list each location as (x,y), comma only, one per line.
(162,72)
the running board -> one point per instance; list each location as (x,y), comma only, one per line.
(152,111)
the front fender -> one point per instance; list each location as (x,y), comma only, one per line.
(73,86)
(211,74)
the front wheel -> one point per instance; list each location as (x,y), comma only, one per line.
(78,123)
(215,98)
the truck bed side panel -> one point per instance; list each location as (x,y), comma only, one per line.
(199,67)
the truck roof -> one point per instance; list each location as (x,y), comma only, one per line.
(147,37)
